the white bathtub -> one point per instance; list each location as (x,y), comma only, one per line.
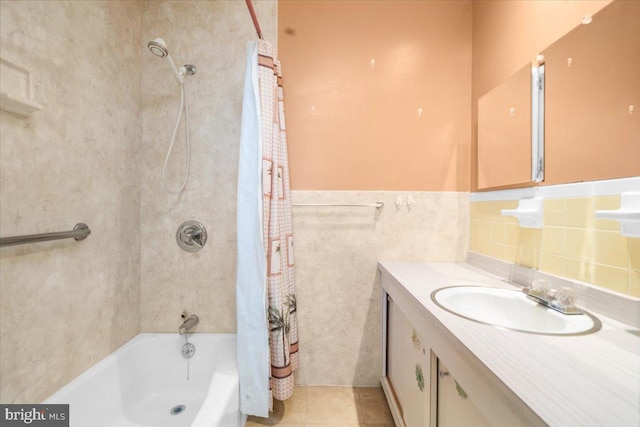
(141,382)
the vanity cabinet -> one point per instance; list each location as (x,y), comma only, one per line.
(408,369)
(455,408)
(416,346)
(510,378)
(426,394)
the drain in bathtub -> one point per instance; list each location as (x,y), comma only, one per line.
(178,409)
(188,350)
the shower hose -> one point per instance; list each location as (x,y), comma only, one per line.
(185,107)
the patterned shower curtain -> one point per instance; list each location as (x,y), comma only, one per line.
(265,284)
(278,226)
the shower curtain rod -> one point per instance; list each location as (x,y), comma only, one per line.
(254,18)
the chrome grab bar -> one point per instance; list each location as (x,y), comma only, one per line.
(376,205)
(79,232)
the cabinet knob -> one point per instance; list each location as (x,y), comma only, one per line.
(443,373)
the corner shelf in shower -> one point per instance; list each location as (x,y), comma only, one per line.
(16,89)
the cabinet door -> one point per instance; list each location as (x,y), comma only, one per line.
(408,368)
(455,408)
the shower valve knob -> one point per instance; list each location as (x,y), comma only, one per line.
(191,236)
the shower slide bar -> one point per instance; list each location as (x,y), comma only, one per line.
(79,232)
(376,205)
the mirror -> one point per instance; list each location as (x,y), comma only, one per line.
(591,109)
(510,130)
(592,100)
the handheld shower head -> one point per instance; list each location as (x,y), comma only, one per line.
(158,47)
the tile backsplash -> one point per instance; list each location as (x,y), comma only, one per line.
(572,242)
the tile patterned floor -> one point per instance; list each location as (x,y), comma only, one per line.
(329,406)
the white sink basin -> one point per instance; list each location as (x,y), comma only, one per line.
(511,309)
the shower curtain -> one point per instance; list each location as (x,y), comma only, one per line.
(265,282)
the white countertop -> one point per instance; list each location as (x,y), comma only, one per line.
(585,380)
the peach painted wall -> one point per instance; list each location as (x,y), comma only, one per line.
(354,125)
(508,34)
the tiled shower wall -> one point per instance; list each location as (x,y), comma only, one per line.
(65,305)
(94,154)
(211,35)
(572,243)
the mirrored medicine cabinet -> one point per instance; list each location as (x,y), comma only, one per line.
(511,130)
(584,125)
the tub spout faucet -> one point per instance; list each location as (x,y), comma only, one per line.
(188,324)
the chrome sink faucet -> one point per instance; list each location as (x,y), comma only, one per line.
(562,300)
(189,323)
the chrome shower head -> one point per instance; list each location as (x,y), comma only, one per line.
(158,47)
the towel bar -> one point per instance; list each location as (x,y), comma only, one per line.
(376,205)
